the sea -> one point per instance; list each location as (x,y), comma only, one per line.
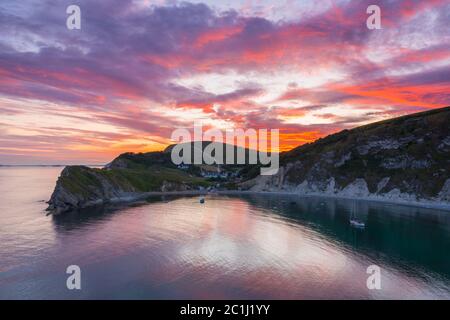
(229,247)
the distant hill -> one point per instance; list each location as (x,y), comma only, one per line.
(405,158)
(164,157)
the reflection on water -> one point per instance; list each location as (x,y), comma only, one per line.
(229,247)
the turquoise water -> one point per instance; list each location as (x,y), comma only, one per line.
(244,247)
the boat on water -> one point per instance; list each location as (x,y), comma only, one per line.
(357,224)
(202,200)
(353,221)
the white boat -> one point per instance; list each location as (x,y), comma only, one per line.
(357,224)
(353,221)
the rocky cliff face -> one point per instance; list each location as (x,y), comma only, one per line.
(402,159)
(124,180)
(79,187)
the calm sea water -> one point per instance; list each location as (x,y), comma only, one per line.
(230,247)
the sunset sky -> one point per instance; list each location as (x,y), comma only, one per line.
(138,69)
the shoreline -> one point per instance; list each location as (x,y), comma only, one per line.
(417,204)
(136,197)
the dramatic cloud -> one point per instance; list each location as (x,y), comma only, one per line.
(139,69)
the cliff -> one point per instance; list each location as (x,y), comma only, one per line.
(405,159)
(123,180)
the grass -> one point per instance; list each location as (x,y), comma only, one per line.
(83,180)
(75,179)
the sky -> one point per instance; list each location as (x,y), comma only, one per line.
(139,69)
